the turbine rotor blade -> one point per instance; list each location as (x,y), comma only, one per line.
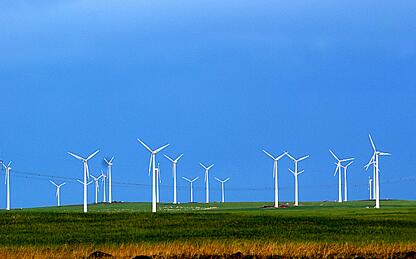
(76,156)
(179,157)
(93,154)
(161,148)
(332,153)
(170,159)
(303,158)
(146,146)
(268,154)
(372,143)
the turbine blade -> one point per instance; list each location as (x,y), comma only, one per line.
(291,157)
(217,179)
(301,172)
(337,169)
(80,182)
(150,163)
(53,183)
(186,179)
(345,160)
(196,178)
(179,157)
(146,146)
(226,180)
(384,154)
(76,156)
(303,158)
(267,153)
(372,143)
(210,166)
(332,153)
(292,171)
(170,159)
(281,156)
(161,148)
(93,154)
(203,166)
(111,160)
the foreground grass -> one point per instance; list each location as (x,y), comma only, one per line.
(212,229)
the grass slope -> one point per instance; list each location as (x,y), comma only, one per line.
(131,223)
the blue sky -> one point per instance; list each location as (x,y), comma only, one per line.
(219,81)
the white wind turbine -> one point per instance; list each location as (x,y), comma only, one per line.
(97,186)
(152,167)
(191,182)
(103,176)
(222,187)
(375,159)
(206,181)
(7,182)
(275,176)
(110,179)
(174,164)
(345,167)
(58,191)
(338,170)
(86,174)
(296,173)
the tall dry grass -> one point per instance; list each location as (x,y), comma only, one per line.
(293,250)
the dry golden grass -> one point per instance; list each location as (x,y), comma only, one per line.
(260,250)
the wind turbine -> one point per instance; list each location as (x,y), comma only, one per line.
(206,181)
(103,176)
(338,170)
(375,158)
(191,182)
(152,167)
(345,167)
(110,183)
(222,187)
(174,164)
(296,173)
(97,186)
(158,180)
(86,174)
(58,190)
(275,176)
(7,182)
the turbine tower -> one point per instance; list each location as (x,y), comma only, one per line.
(97,186)
(296,174)
(338,170)
(110,179)
(86,174)
(375,159)
(222,187)
(103,176)
(152,167)
(345,167)
(191,182)
(275,176)
(58,190)
(370,187)
(174,164)
(158,180)
(7,182)
(206,181)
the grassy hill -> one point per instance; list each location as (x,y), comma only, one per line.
(353,224)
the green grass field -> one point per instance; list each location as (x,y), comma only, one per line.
(108,225)
(123,223)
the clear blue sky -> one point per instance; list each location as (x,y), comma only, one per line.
(219,81)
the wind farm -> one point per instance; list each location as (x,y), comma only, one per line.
(207,129)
